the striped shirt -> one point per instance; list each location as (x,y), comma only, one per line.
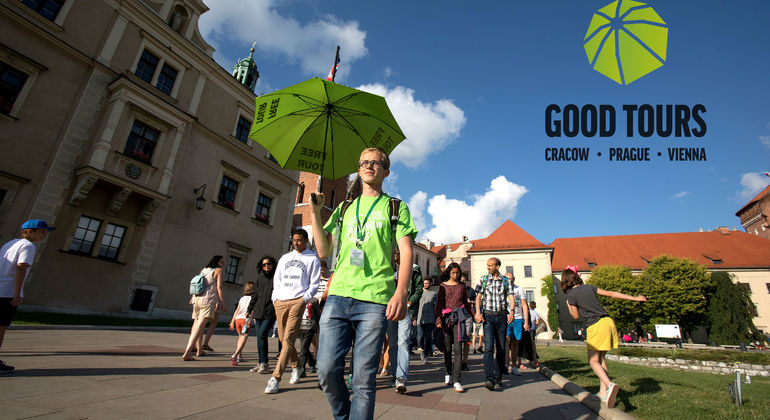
(494,298)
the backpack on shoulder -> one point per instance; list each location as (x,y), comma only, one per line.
(198,284)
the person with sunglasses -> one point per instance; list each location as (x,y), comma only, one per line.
(263,311)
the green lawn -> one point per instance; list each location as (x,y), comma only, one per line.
(654,393)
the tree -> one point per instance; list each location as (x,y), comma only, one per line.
(676,290)
(553,313)
(619,278)
(730,312)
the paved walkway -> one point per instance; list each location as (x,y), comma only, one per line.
(106,374)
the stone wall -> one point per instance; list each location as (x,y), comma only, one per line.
(706,366)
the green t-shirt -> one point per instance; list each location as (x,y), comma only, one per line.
(374,281)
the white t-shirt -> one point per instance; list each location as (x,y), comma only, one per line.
(533,317)
(243,306)
(518,296)
(16,251)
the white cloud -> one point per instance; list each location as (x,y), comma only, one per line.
(753,183)
(475,218)
(389,185)
(312,44)
(417,208)
(681,194)
(429,127)
(388,72)
(765,141)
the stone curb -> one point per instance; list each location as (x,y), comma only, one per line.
(586,398)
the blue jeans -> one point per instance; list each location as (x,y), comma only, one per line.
(263,329)
(399,351)
(494,339)
(426,339)
(343,320)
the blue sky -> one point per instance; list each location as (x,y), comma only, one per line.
(469,84)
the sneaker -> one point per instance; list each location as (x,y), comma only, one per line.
(489,385)
(612,393)
(516,372)
(294,376)
(233,360)
(400,386)
(459,387)
(499,381)
(272,386)
(5,368)
(448,379)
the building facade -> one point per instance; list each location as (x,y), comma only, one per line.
(120,129)
(755,215)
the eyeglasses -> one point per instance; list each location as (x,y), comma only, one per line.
(365,163)
(267,263)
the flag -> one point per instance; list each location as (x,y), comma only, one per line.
(333,70)
(767,173)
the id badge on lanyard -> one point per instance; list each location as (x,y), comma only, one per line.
(357,257)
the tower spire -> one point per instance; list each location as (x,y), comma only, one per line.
(245,71)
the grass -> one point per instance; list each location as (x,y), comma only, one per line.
(656,393)
(50,318)
(727,356)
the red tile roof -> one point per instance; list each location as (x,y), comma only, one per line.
(735,249)
(507,236)
(754,200)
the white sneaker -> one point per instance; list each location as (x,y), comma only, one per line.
(294,376)
(448,379)
(459,387)
(400,386)
(272,386)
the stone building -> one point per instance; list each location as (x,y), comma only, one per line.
(427,260)
(755,215)
(119,128)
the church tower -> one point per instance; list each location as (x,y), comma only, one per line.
(246,70)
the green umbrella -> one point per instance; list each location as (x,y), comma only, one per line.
(321,127)
(626,40)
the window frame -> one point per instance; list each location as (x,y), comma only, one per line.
(229,273)
(273,194)
(164,58)
(149,159)
(528,268)
(87,229)
(58,21)
(24,65)
(120,256)
(230,171)
(120,243)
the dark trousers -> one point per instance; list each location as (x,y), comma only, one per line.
(453,353)
(263,330)
(426,339)
(494,340)
(305,339)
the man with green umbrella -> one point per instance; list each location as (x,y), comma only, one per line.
(363,295)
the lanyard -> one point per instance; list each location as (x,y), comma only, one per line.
(360,226)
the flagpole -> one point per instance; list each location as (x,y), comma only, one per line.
(336,60)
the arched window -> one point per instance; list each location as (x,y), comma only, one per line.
(301,193)
(178,18)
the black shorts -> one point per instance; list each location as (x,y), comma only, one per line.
(7,311)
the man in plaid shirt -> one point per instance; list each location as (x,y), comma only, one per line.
(494,299)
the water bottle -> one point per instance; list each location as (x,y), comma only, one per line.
(246,325)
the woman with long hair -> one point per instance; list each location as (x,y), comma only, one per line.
(263,310)
(206,305)
(451,311)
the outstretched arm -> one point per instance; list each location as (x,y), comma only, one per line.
(618,295)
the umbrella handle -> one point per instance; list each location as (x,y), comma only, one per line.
(314,197)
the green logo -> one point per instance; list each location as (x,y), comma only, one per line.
(626,40)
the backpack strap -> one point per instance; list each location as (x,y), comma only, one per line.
(338,233)
(395,205)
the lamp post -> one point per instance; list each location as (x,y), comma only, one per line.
(200,201)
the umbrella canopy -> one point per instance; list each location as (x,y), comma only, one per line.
(626,40)
(321,127)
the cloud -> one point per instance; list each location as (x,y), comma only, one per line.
(681,194)
(429,127)
(389,185)
(476,218)
(388,72)
(765,141)
(753,183)
(312,44)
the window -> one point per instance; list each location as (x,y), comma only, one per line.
(113,237)
(768,287)
(530,295)
(509,269)
(47,8)
(85,235)
(166,79)
(300,192)
(232,269)
(145,69)
(333,199)
(242,129)
(141,142)
(271,158)
(263,208)
(527,271)
(11,82)
(227,192)
(746,287)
